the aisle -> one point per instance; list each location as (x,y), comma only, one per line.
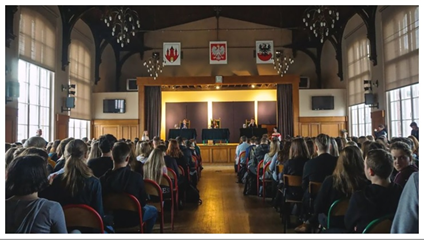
(225,209)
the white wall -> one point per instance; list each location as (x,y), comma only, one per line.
(305,104)
(131,105)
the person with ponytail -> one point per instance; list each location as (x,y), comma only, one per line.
(77,184)
(155,166)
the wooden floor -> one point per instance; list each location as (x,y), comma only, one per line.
(225,209)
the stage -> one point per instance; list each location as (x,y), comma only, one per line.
(218,153)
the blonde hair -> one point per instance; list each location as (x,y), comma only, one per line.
(95,151)
(76,169)
(274,147)
(152,168)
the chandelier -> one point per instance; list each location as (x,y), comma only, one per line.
(124,22)
(154,65)
(320,20)
(282,62)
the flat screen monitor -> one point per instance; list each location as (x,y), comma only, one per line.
(114,106)
(322,102)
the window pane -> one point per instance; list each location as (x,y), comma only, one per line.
(406,130)
(22,132)
(44,116)
(33,112)
(34,94)
(22,114)
(33,130)
(406,109)
(23,92)
(405,92)
(44,78)
(396,129)
(394,95)
(395,111)
(415,90)
(416,109)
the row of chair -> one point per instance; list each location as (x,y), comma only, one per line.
(81,215)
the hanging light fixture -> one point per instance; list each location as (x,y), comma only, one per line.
(320,20)
(154,65)
(282,62)
(124,23)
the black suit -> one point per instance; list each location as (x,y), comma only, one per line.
(252,125)
(182,126)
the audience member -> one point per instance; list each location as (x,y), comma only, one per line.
(415,129)
(155,166)
(25,211)
(402,156)
(378,199)
(60,163)
(334,148)
(101,165)
(406,217)
(95,151)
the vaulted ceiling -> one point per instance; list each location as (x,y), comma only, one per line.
(159,17)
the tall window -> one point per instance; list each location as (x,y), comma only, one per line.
(35,73)
(360,120)
(34,100)
(403,105)
(358,71)
(80,74)
(79,128)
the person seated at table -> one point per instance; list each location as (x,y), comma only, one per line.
(252,123)
(184,124)
(276,134)
(214,124)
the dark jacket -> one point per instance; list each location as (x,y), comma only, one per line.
(295,166)
(371,203)
(59,165)
(415,133)
(90,194)
(123,180)
(260,152)
(100,165)
(187,156)
(317,169)
(172,164)
(402,176)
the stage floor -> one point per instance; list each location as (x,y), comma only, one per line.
(218,153)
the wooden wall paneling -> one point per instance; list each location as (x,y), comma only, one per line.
(62,126)
(331,129)
(304,130)
(120,128)
(377,117)
(134,132)
(125,132)
(206,155)
(11,124)
(219,155)
(314,129)
(312,126)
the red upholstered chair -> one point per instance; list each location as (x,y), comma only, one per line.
(153,189)
(173,175)
(242,154)
(265,181)
(124,201)
(167,182)
(81,215)
(258,168)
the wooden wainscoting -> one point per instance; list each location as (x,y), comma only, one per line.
(62,126)
(11,124)
(312,126)
(120,128)
(224,153)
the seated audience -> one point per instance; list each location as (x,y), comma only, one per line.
(334,148)
(170,162)
(122,180)
(9,156)
(95,151)
(276,134)
(259,154)
(271,156)
(101,165)
(378,199)
(155,166)
(53,151)
(403,162)
(406,217)
(25,211)
(348,177)
(60,163)
(38,142)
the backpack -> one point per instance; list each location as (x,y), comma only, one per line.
(193,195)
(250,185)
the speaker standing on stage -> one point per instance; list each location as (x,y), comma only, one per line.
(252,123)
(184,124)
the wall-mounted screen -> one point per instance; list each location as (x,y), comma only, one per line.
(322,102)
(114,106)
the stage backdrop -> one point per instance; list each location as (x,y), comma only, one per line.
(233,115)
(196,112)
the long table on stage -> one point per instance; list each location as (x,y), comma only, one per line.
(216,134)
(250,132)
(189,133)
(219,153)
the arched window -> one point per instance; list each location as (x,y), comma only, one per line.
(400,40)
(80,74)
(37,59)
(358,71)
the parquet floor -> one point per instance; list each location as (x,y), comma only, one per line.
(225,209)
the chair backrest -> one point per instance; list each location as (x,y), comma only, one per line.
(280,168)
(81,215)
(123,201)
(380,225)
(242,154)
(314,188)
(337,209)
(181,170)
(266,168)
(292,181)
(167,182)
(154,190)
(260,165)
(173,175)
